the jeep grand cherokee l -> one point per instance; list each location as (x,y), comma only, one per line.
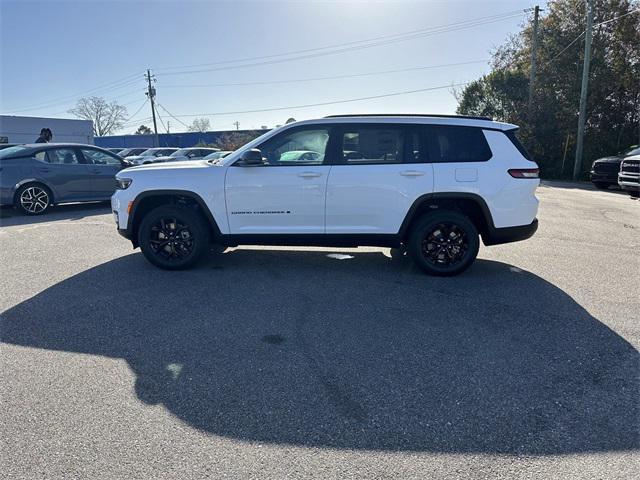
(431,184)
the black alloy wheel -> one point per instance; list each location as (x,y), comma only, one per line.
(173,238)
(444,243)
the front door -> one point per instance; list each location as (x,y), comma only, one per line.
(286,194)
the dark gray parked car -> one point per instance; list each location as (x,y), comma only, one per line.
(34,177)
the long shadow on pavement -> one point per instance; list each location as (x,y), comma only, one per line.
(74,211)
(355,352)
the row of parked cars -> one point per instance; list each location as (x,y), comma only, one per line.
(35,176)
(143,156)
(622,170)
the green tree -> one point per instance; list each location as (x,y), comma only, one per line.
(613,104)
(143,130)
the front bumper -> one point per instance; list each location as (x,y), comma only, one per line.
(604,177)
(497,236)
(629,182)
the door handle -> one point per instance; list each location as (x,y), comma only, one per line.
(309,174)
(44,170)
(411,173)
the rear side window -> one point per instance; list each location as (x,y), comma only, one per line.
(457,144)
(63,156)
(511,134)
(371,145)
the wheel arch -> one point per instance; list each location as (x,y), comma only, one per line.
(469,204)
(147,201)
(34,180)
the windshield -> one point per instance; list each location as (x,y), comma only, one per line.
(5,152)
(180,153)
(632,151)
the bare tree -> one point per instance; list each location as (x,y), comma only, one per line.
(200,125)
(106,117)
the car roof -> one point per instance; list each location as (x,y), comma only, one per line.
(417,118)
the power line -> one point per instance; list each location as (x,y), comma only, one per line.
(291,107)
(342,50)
(67,99)
(173,116)
(313,79)
(395,36)
(583,32)
(138,110)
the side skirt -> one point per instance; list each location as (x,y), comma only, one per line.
(315,240)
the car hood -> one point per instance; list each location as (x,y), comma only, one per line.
(613,159)
(173,166)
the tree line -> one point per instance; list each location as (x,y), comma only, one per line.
(549,129)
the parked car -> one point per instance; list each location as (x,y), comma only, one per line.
(604,171)
(629,176)
(130,152)
(150,155)
(36,176)
(115,150)
(218,155)
(432,185)
(191,153)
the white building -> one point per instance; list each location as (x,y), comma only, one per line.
(27,129)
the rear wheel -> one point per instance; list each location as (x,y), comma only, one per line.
(33,199)
(444,243)
(173,238)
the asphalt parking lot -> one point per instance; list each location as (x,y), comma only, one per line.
(323,363)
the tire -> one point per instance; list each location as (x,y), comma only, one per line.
(33,199)
(173,238)
(601,185)
(444,243)
(635,194)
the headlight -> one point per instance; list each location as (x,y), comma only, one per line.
(123,183)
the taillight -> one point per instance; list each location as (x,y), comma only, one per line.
(524,172)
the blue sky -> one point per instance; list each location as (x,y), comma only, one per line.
(54,52)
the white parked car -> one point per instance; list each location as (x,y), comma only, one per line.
(150,155)
(191,153)
(431,184)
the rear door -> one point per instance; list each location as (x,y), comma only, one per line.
(63,169)
(380,171)
(103,167)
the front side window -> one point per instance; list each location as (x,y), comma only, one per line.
(457,144)
(300,147)
(371,145)
(63,156)
(97,157)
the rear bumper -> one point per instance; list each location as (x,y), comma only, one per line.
(497,236)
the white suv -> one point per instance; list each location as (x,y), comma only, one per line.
(428,184)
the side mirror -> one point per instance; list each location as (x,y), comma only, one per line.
(251,158)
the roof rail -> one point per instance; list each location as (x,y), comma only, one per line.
(433,115)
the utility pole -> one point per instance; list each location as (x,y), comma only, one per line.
(151,93)
(577,166)
(534,53)
(168,125)
(237,124)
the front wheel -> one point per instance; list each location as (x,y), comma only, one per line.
(444,243)
(33,199)
(173,238)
